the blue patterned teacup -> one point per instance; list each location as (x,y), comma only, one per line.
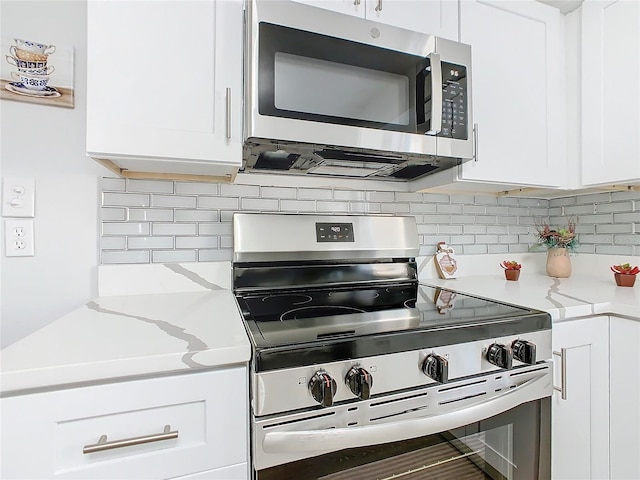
(30,68)
(32,82)
(34,47)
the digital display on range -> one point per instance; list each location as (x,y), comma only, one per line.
(334,232)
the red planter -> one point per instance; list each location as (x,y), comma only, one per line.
(512,274)
(625,280)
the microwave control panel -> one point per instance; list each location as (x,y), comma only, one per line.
(454,102)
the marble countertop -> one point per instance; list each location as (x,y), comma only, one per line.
(125,336)
(177,318)
(580,295)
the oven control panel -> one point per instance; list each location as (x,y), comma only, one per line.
(334,232)
(323,385)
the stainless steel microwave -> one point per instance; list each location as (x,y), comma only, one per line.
(329,94)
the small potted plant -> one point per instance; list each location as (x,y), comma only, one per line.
(511,269)
(559,243)
(625,274)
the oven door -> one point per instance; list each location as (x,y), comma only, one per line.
(457,432)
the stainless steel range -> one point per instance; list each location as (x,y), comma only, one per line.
(360,372)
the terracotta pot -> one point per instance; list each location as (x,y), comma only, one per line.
(625,279)
(558,263)
(512,274)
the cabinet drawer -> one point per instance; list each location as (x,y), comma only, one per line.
(58,434)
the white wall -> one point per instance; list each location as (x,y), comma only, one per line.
(48,144)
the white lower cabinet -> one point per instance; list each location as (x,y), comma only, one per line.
(204,415)
(580,409)
(625,399)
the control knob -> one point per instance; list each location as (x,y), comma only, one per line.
(524,351)
(436,368)
(323,388)
(360,382)
(500,356)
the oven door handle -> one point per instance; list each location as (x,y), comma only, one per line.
(334,439)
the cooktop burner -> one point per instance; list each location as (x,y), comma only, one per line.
(384,319)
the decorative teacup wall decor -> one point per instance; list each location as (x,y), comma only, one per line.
(33,79)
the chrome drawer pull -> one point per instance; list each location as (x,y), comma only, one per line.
(102,444)
(563,373)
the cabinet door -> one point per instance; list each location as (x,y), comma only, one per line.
(435,17)
(350,7)
(580,429)
(610,91)
(625,398)
(205,415)
(164,85)
(518,91)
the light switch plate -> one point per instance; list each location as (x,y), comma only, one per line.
(18,197)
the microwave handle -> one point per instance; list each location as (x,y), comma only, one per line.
(334,439)
(436,94)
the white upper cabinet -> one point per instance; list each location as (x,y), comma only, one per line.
(610,92)
(435,17)
(164,86)
(518,92)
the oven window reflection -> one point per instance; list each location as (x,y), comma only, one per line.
(483,455)
(460,454)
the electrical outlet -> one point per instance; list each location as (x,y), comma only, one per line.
(18,238)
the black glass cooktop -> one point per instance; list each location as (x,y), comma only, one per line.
(371,320)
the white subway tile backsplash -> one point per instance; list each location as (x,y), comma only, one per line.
(120,228)
(113,214)
(627,239)
(149,186)
(614,207)
(314,194)
(278,192)
(626,217)
(147,243)
(336,207)
(113,184)
(380,196)
(125,200)
(113,243)
(259,204)
(450,229)
(222,203)
(477,229)
(196,188)
(395,208)
(128,256)
(163,221)
(228,190)
(197,242)
(215,228)
(215,255)
(498,248)
(175,228)
(297,205)
(448,208)
(474,249)
(150,215)
(615,249)
(176,201)
(614,228)
(173,256)
(422,208)
(196,215)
